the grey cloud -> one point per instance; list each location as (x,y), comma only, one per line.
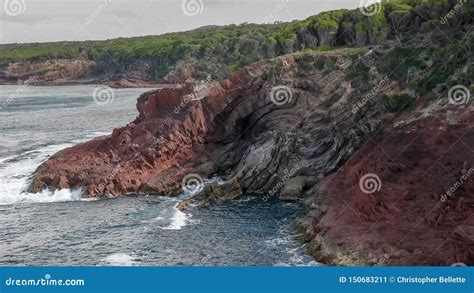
(97,19)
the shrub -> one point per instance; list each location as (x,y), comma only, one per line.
(396,103)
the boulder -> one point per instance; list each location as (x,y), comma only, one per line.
(293,188)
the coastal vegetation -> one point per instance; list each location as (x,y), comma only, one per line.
(225,49)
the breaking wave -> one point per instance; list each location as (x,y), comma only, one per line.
(14,177)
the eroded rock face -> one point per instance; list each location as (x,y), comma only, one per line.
(269,119)
(418,207)
(54,72)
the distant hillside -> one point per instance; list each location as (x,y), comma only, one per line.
(220,51)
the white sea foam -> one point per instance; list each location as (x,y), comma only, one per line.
(178,220)
(278,241)
(295,252)
(120,259)
(189,193)
(45,196)
(171,217)
(15,171)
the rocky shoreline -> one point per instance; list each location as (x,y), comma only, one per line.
(116,84)
(373,152)
(233,127)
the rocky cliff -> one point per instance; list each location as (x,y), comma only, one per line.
(52,72)
(258,124)
(404,198)
(377,139)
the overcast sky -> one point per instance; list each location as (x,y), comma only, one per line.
(57,20)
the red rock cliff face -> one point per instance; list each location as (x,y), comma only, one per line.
(418,209)
(235,126)
(152,153)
